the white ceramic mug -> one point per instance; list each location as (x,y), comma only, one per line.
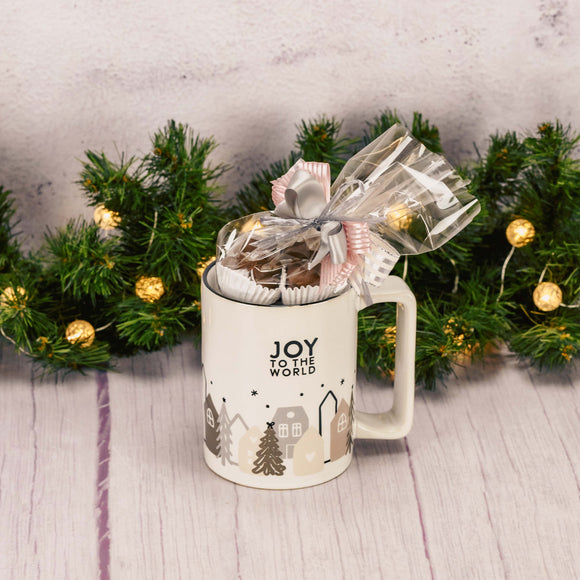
(280,382)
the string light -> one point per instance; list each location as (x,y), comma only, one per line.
(405,267)
(11,296)
(252,223)
(399,218)
(520,233)
(155,217)
(454,264)
(105,218)
(80,332)
(149,288)
(547,296)
(390,335)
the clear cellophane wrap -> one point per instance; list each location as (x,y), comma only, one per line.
(395,197)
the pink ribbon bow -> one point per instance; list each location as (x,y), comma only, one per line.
(357,233)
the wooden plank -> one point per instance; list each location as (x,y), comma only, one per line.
(466,495)
(48,433)
(484,486)
(559,397)
(171,517)
(362,524)
(497,486)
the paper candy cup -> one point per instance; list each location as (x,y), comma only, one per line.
(237,285)
(309,294)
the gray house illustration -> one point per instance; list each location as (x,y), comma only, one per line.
(290,423)
(212,426)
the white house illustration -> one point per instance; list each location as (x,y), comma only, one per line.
(248,447)
(238,428)
(326,412)
(290,423)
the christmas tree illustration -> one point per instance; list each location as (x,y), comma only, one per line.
(269,457)
(225,436)
(350,424)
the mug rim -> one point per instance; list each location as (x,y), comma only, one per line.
(206,283)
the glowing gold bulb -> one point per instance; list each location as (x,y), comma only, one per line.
(390,334)
(149,288)
(520,233)
(252,223)
(12,297)
(547,296)
(80,332)
(399,218)
(203,265)
(105,218)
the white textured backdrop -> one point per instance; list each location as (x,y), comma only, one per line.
(105,74)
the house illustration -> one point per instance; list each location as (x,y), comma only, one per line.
(309,453)
(212,426)
(238,428)
(339,430)
(290,423)
(326,412)
(248,448)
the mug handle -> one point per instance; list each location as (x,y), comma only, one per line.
(397,421)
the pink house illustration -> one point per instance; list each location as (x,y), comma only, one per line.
(309,453)
(339,430)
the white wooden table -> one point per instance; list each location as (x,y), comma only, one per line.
(102,476)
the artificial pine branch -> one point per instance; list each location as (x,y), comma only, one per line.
(320,140)
(256,196)
(170,216)
(421,129)
(84,261)
(170,232)
(381,123)
(317,140)
(538,179)
(9,247)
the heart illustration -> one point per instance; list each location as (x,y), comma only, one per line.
(310,456)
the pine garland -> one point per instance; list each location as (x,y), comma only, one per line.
(167,215)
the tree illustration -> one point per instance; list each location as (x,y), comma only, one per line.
(349,440)
(225,435)
(269,457)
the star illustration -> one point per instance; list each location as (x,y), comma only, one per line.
(254,392)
